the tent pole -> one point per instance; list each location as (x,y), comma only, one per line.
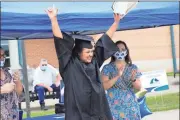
(173,48)
(25,78)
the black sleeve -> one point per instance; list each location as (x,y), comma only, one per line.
(64,47)
(104,49)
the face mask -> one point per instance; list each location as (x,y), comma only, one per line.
(43,68)
(120,55)
(2,62)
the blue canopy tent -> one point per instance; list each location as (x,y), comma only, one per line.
(27,20)
(19,21)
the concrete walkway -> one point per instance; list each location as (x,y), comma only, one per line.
(164,115)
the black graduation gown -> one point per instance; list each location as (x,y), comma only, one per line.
(84,94)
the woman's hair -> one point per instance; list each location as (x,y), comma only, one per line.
(127,58)
(77,50)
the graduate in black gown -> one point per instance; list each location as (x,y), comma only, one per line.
(79,63)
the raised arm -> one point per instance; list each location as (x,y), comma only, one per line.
(114,26)
(63,42)
(105,47)
(52,13)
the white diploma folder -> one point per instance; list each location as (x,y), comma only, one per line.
(123,8)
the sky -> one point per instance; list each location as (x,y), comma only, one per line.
(70,7)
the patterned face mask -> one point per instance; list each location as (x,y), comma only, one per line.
(120,55)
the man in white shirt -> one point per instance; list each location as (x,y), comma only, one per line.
(44,76)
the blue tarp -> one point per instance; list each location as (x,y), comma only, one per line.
(19,21)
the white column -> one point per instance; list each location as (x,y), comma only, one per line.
(13,54)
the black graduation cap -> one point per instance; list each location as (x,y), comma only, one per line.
(83,41)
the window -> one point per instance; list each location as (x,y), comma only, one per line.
(5,46)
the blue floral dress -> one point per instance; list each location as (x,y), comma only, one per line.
(121,96)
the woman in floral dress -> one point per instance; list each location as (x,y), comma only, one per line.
(120,77)
(11,88)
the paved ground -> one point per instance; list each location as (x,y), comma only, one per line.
(173,87)
(165,115)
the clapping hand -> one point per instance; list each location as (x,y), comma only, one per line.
(133,75)
(16,78)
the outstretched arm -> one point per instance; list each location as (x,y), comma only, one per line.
(105,47)
(52,13)
(63,42)
(114,26)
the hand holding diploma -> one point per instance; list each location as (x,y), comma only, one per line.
(123,8)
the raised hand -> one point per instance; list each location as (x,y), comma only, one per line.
(117,17)
(16,78)
(52,12)
(114,26)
